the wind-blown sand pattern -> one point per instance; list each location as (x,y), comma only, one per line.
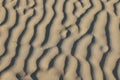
(59,39)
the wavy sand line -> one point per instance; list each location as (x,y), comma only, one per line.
(59,39)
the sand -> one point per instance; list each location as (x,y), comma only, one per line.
(59,40)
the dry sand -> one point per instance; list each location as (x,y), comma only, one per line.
(59,39)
